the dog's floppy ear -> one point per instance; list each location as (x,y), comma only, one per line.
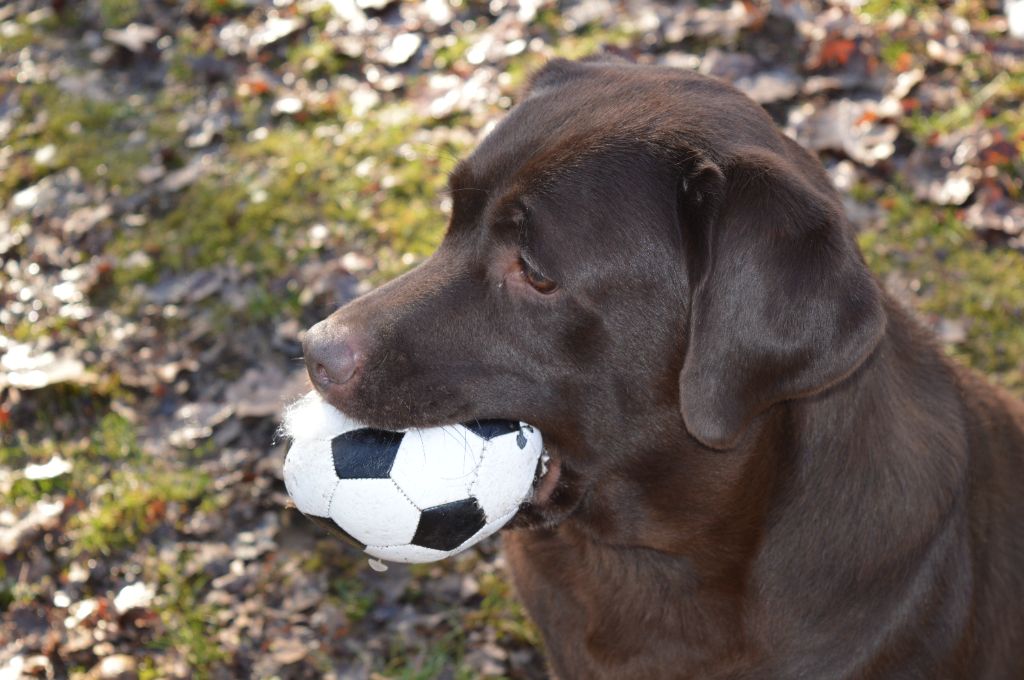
(782,304)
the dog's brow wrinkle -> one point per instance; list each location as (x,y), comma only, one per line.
(460,176)
(451,190)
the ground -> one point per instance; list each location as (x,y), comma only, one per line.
(187,185)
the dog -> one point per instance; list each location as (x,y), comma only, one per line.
(762,467)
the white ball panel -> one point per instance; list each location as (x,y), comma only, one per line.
(313,418)
(506,473)
(309,476)
(408,554)
(436,465)
(374,511)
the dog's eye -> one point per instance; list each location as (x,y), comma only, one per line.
(538,281)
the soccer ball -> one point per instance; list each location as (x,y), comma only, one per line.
(418,495)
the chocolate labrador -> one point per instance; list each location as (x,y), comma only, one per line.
(762,467)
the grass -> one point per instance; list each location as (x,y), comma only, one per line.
(120,493)
(495,609)
(91,135)
(118,13)
(880,10)
(371,186)
(7,586)
(107,139)
(501,611)
(377,183)
(221,8)
(958,277)
(17,36)
(440,657)
(131,503)
(353,597)
(68,420)
(189,623)
(952,272)
(317,55)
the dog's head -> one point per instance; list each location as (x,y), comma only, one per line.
(631,252)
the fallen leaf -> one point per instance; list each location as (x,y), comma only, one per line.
(55,467)
(836,52)
(133,596)
(134,37)
(16,532)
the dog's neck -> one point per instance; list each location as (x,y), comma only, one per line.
(764,560)
(811,508)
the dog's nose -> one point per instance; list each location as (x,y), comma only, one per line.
(331,355)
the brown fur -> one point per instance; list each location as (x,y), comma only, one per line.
(768,469)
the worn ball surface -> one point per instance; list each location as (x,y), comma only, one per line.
(417,495)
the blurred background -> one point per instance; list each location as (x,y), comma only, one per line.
(187,185)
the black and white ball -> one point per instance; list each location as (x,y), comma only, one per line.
(418,495)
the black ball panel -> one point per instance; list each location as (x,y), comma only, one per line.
(447,526)
(330,526)
(491,428)
(365,453)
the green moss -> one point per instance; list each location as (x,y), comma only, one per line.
(892,50)
(879,10)
(316,55)
(26,491)
(28,29)
(498,610)
(449,54)
(7,586)
(118,13)
(220,8)
(265,305)
(189,622)
(255,208)
(957,277)
(132,503)
(114,439)
(353,597)
(502,611)
(190,44)
(89,134)
(954,274)
(126,491)
(20,36)
(64,418)
(428,659)
(13,590)
(990,93)
(925,125)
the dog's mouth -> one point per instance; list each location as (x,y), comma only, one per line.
(557,492)
(548,474)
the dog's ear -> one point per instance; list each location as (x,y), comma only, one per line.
(558,72)
(554,73)
(782,304)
